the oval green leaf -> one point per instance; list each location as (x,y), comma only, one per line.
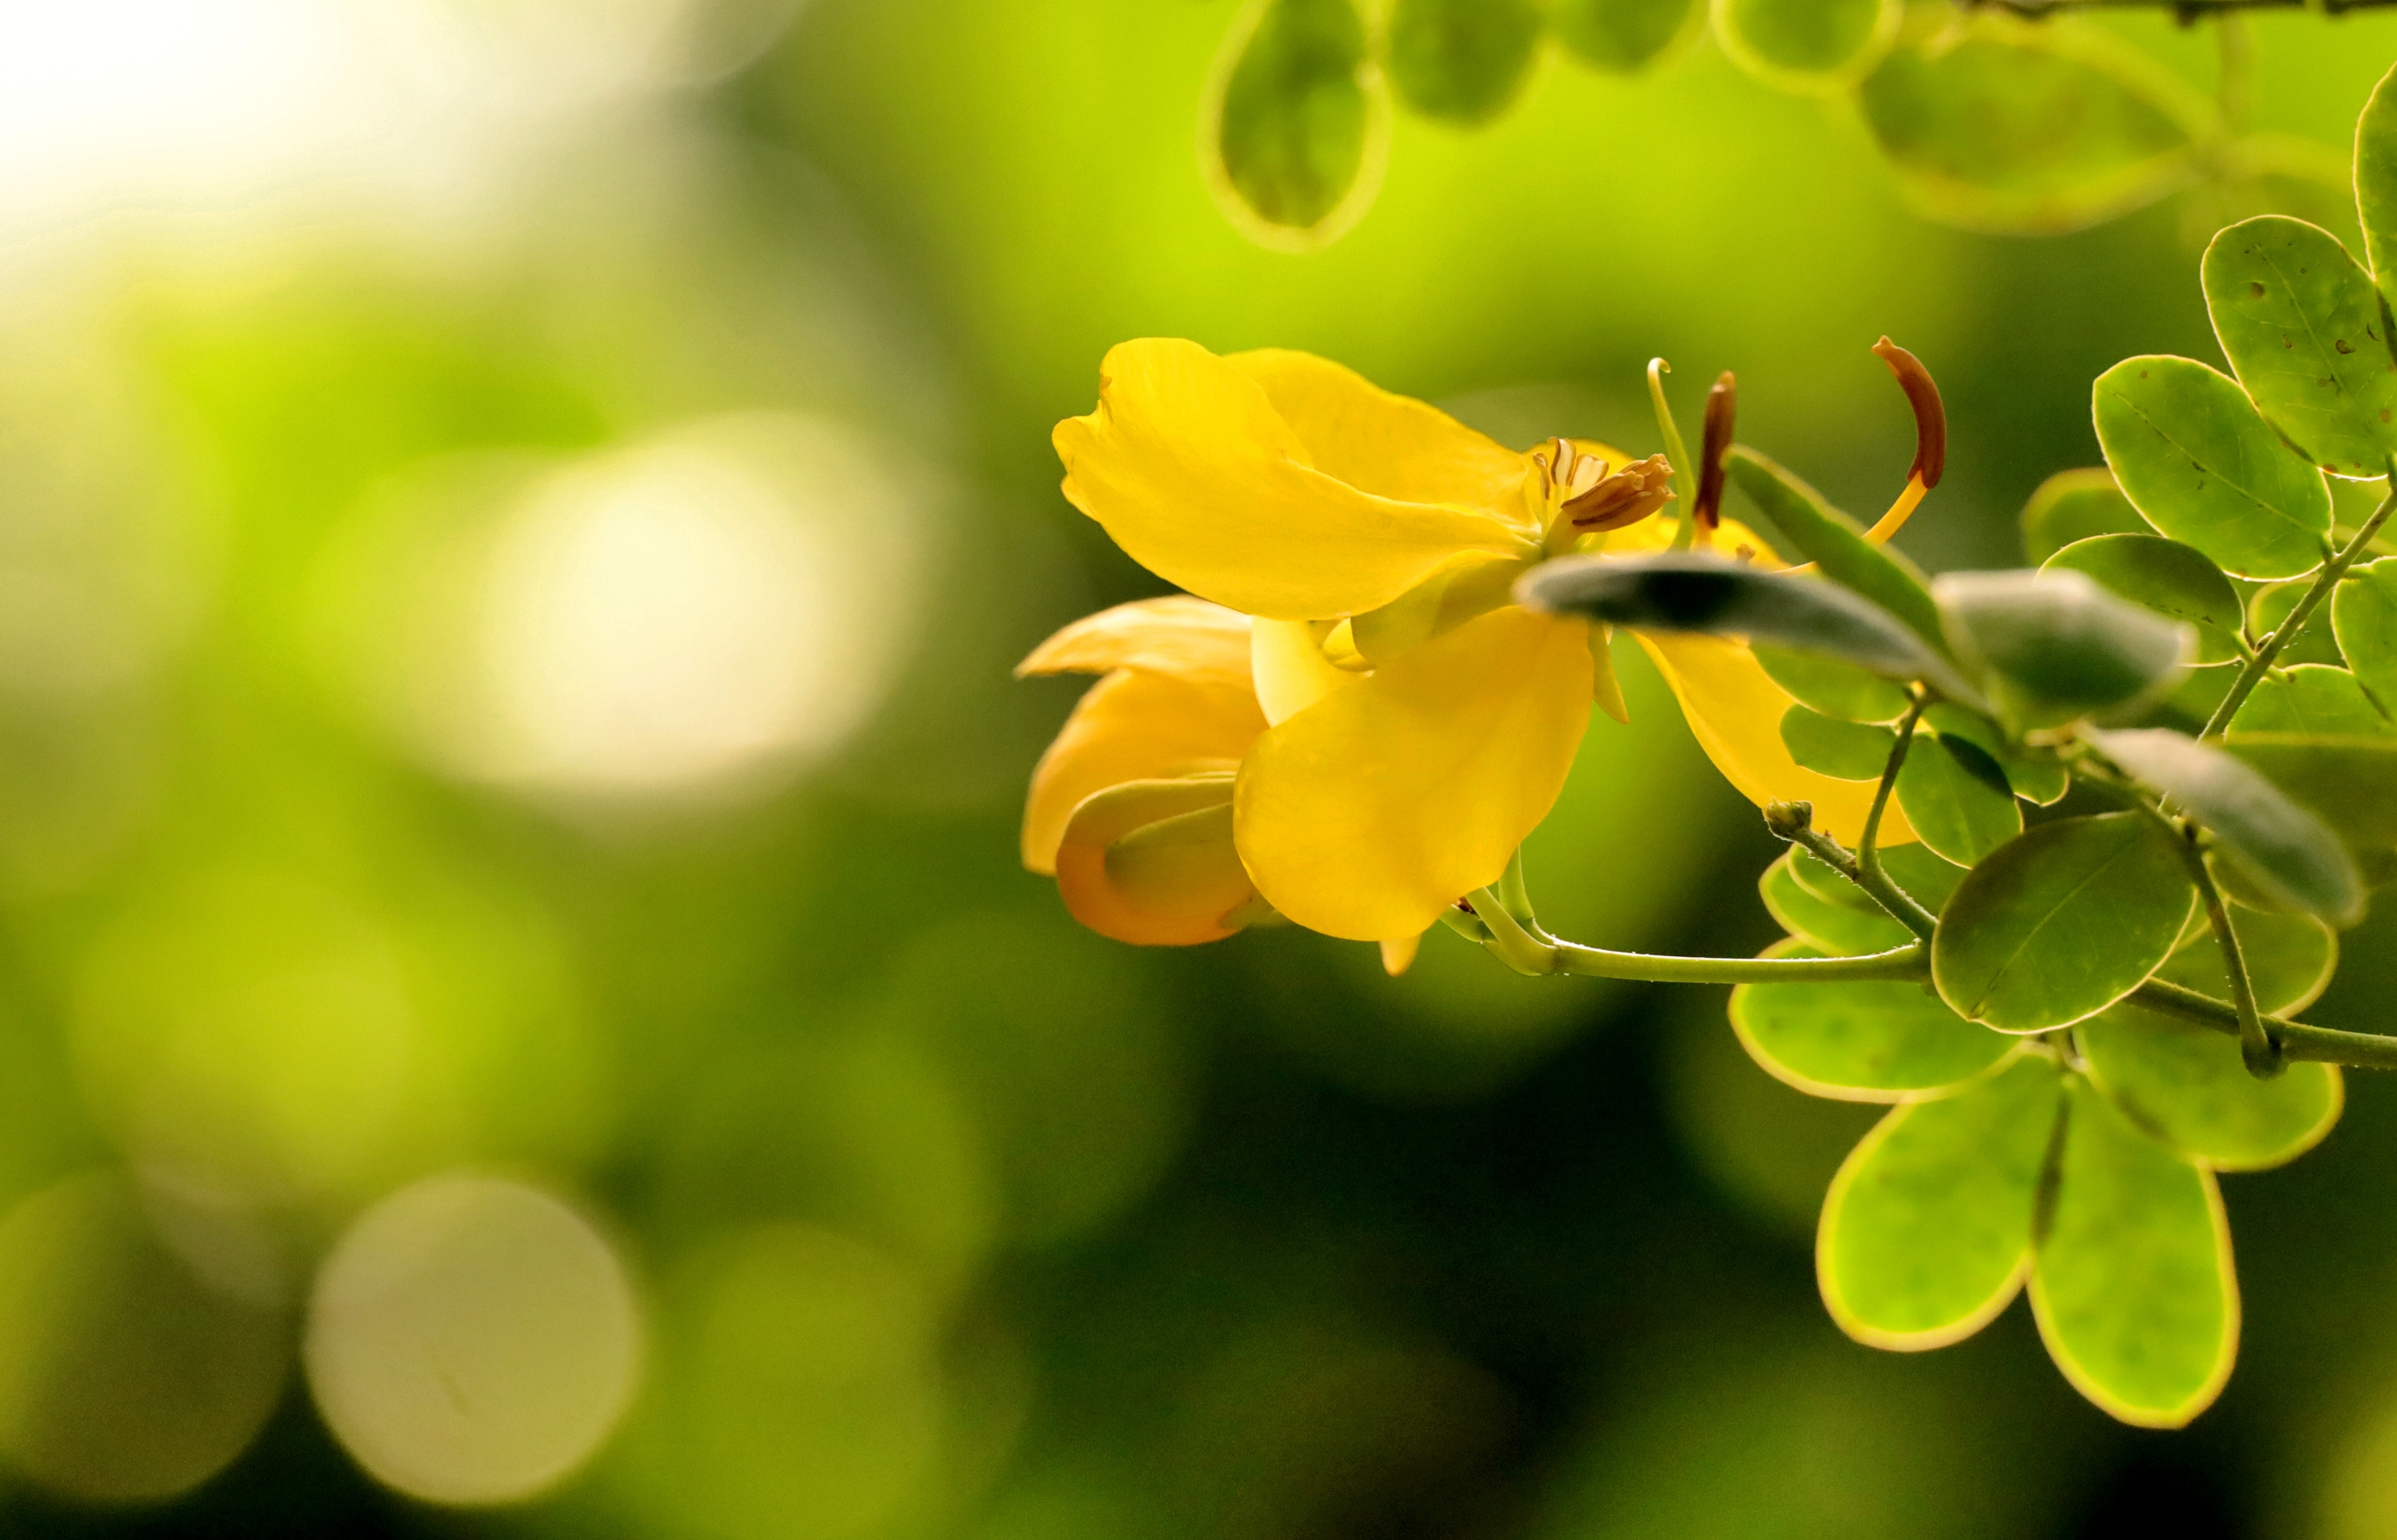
(1927,1231)
(1831,927)
(1957,798)
(2364,616)
(2036,775)
(1997,125)
(1930,878)
(2188,1087)
(2316,641)
(2376,179)
(2315,700)
(2276,843)
(2175,581)
(2055,647)
(2077,505)
(1835,688)
(1624,36)
(1296,126)
(1699,592)
(1860,1041)
(2349,783)
(1806,44)
(2062,922)
(1836,543)
(1461,60)
(1847,751)
(2130,1279)
(2200,464)
(2300,323)
(2289,958)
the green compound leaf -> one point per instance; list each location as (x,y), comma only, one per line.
(2364,616)
(2375,179)
(2349,783)
(1461,60)
(2077,505)
(2175,581)
(1624,36)
(1836,543)
(2054,646)
(1927,1231)
(1296,123)
(1832,688)
(2062,922)
(1834,927)
(2035,775)
(2300,323)
(2316,641)
(1999,126)
(1957,798)
(1806,44)
(1860,1041)
(2188,1087)
(2315,700)
(2289,957)
(1849,751)
(2276,843)
(2200,464)
(1700,592)
(2131,1279)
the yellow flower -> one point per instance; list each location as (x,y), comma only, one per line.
(1416,723)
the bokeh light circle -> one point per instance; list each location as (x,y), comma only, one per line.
(472,1340)
(124,1377)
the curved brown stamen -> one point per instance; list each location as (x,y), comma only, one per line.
(1723,411)
(1930,415)
(1624,498)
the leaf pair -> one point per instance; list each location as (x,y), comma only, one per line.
(1948,1207)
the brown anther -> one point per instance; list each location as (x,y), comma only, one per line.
(1930,415)
(1625,498)
(1723,411)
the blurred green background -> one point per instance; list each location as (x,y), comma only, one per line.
(515,519)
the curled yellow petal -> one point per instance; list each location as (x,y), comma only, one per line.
(1152,863)
(1368,813)
(1176,635)
(1192,471)
(1389,445)
(1735,710)
(1134,726)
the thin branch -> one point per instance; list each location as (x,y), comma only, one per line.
(1899,904)
(2253,671)
(2299,1041)
(1538,954)
(2256,1045)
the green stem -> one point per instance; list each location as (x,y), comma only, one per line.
(1899,904)
(1685,480)
(2255,1044)
(1538,954)
(2299,1041)
(1870,874)
(2252,672)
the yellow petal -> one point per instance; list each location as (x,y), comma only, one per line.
(1398,954)
(1190,469)
(1176,635)
(1388,445)
(1735,710)
(1291,670)
(1152,862)
(1134,726)
(1367,814)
